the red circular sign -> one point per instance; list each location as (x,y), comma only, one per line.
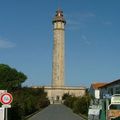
(6,98)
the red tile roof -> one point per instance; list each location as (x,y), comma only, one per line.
(97,85)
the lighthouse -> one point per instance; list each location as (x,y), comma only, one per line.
(58,49)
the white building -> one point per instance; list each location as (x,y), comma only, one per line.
(94,89)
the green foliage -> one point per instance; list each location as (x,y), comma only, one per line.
(27,101)
(10,78)
(78,104)
(66,95)
(69,101)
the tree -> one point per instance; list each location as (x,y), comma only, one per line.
(27,101)
(10,78)
(66,95)
(78,104)
(69,100)
(81,105)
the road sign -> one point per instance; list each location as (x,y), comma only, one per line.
(94,112)
(107,96)
(6,106)
(115,99)
(6,98)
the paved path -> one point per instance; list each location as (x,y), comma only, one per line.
(56,112)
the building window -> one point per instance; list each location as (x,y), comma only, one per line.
(110,91)
(117,90)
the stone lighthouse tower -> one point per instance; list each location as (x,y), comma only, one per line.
(56,91)
(58,50)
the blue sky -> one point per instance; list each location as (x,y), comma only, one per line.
(92,39)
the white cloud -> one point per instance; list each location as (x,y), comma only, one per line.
(73,25)
(86,15)
(72,22)
(107,23)
(84,37)
(85,40)
(81,15)
(6,44)
(79,20)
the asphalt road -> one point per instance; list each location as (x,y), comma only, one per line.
(56,112)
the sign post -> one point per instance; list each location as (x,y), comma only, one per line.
(6,99)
